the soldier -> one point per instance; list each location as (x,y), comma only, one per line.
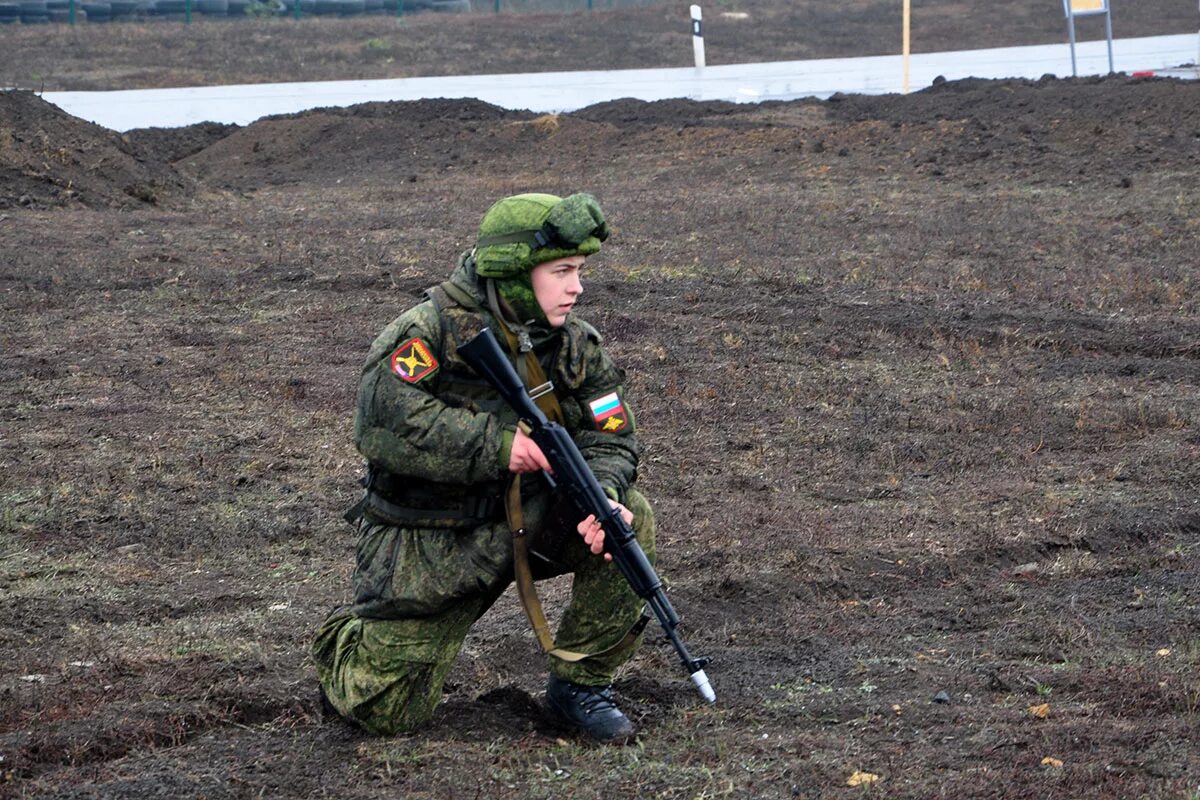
(435,548)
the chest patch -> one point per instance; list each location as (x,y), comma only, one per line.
(413,361)
(609,413)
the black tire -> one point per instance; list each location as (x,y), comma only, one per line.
(351,8)
(97,11)
(452,6)
(213,8)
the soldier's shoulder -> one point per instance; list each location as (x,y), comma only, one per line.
(587,331)
(418,322)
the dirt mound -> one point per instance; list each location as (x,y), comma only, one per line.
(397,137)
(1048,125)
(49,158)
(991,129)
(681,113)
(167,145)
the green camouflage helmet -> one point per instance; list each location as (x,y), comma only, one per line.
(522,231)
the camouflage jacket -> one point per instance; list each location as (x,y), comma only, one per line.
(424,414)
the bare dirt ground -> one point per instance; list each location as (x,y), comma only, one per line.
(917,379)
(151,55)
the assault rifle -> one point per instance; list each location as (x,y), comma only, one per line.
(573,475)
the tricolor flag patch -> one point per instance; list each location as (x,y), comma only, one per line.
(609,413)
(413,360)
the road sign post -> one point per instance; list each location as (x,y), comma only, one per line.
(1087,8)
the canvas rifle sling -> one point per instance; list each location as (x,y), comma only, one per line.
(531,372)
(533,375)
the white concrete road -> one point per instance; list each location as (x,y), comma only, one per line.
(567,91)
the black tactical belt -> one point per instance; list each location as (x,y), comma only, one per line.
(472,510)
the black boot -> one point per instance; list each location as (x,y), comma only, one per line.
(589,708)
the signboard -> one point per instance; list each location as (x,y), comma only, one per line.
(1087,8)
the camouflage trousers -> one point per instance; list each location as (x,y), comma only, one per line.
(383,660)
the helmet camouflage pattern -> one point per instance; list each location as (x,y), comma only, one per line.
(522,231)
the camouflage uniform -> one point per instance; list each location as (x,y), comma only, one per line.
(440,438)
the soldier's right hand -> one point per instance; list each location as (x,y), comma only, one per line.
(526,456)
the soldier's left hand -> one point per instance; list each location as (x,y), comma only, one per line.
(593,534)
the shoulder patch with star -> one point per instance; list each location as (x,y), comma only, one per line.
(413,361)
(609,413)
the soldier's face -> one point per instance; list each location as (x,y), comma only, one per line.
(557,287)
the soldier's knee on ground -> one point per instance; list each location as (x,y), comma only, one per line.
(386,675)
(403,706)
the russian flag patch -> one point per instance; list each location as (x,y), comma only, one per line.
(609,413)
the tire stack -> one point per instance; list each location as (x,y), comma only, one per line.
(60,10)
(351,8)
(173,10)
(9,13)
(123,9)
(33,12)
(452,6)
(213,8)
(373,7)
(97,10)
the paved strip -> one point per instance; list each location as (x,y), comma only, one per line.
(568,91)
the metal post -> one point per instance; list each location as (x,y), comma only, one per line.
(497,6)
(906,24)
(295,9)
(697,38)
(187,12)
(1108,35)
(399,8)
(1071,35)
(71,12)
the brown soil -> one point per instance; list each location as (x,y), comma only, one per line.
(50,158)
(917,379)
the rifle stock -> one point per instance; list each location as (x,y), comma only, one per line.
(574,476)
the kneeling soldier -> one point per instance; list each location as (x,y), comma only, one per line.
(444,454)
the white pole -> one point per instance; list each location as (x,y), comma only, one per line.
(697,38)
(906,25)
